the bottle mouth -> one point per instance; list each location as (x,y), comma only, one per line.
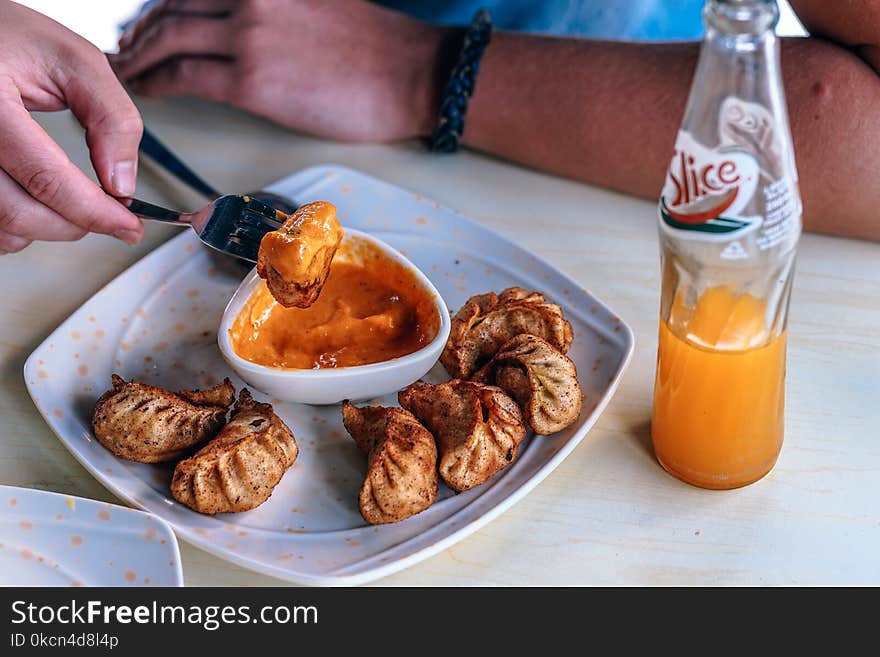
(741,17)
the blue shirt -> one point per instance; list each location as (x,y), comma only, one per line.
(631,20)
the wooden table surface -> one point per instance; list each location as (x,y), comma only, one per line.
(609,515)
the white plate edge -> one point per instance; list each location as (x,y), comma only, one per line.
(165,526)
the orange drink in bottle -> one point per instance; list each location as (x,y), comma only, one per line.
(729,222)
(719,397)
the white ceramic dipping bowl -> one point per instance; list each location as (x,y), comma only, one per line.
(331,386)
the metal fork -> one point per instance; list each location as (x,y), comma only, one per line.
(161,155)
(231,224)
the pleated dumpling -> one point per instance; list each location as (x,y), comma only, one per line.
(238,470)
(540,378)
(486,321)
(478,428)
(401,478)
(144,423)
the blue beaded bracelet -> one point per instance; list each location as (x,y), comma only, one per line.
(460,87)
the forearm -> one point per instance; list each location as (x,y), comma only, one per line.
(602,112)
(855,24)
(607,113)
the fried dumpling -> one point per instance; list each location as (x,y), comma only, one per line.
(540,378)
(295,259)
(238,470)
(401,478)
(487,321)
(144,423)
(222,394)
(478,428)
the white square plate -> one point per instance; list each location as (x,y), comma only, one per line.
(49,539)
(157,322)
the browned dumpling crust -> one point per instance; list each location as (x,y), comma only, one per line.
(238,470)
(487,321)
(144,423)
(222,394)
(478,428)
(295,259)
(540,378)
(401,478)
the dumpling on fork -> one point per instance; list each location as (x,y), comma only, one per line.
(295,259)
(239,469)
(478,428)
(140,422)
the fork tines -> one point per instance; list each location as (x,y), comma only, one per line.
(239,223)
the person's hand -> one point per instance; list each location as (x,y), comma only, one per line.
(346,69)
(43,195)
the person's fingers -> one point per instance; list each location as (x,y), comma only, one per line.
(211,79)
(173,36)
(112,123)
(157,11)
(12,243)
(23,216)
(142,22)
(39,165)
(205,7)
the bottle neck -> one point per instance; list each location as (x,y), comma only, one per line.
(741,20)
(740,53)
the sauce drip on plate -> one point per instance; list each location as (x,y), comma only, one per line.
(371,309)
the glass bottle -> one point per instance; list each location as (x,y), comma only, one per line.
(729,222)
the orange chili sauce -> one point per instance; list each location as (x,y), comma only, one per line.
(371,309)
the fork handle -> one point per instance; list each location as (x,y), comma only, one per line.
(161,155)
(146,210)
